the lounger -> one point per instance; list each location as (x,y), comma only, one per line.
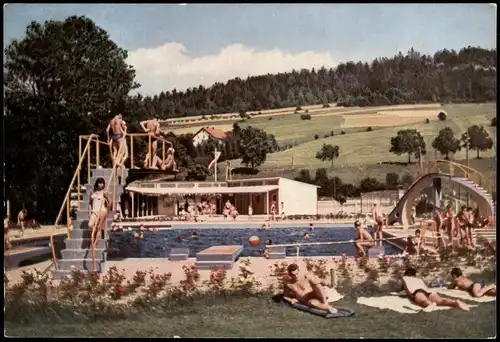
(341,312)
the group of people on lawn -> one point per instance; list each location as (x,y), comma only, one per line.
(309,290)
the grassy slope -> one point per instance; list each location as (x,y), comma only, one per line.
(364,148)
(260,317)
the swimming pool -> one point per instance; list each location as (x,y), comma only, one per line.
(158,244)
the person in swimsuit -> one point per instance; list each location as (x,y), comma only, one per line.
(6,240)
(306,289)
(99,204)
(449,223)
(117,138)
(475,289)
(153,128)
(20,219)
(440,221)
(461,224)
(470,225)
(378,223)
(363,239)
(273,211)
(418,293)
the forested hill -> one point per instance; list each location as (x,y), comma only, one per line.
(448,76)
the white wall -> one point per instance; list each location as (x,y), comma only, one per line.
(298,198)
(200,137)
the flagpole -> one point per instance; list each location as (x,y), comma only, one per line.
(215,165)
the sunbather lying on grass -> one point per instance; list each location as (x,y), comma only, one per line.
(305,288)
(419,293)
(475,289)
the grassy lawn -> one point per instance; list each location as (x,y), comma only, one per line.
(260,317)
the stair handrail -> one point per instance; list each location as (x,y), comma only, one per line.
(65,201)
(467,170)
(119,155)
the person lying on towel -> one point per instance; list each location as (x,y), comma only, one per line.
(475,289)
(305,288)
(419,293)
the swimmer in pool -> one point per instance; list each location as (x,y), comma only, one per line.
(305,236)
(311,226)
(268,242)
(194,235)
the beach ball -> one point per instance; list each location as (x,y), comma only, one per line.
(254,241)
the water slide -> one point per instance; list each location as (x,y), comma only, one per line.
(402,212)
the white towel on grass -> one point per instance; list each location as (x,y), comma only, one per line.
(460,294)
(396,303)
(333,295)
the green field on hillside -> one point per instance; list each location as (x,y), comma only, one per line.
(363,148)
(361,152)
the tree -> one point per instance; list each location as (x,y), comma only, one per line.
(446,143)
(328,152)
(63,79)
(369,184)
(254,146)
(408,141)
(479,139)
(442,116)
(392,180)
(304,176)
(407,180)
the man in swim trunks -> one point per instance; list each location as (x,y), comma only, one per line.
(118,130)
(363,239)
(153,128)
(475,289)
(20,219)
(461,224)
(449,223)
(378,224)
(417,292)
(305,288)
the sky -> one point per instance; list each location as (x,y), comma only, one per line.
(180,46)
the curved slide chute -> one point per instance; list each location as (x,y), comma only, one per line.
(402,212)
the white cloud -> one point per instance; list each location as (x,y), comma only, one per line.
(169,66)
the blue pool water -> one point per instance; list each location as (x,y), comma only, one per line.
(158,244)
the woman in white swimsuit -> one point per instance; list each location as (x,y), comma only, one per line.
(98,206)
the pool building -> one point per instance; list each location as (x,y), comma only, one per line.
(163,197)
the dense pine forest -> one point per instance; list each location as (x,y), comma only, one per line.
(468,75)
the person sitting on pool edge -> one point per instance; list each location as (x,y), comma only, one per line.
(475,289)
(363,239)
(416,290)
(305,288)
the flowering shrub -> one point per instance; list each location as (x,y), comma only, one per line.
(278,270)
(245,283)
(112,293)
(318,268)
(216,282)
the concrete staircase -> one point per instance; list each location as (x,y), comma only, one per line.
(480,190)
(77,250)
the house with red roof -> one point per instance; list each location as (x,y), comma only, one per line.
(205,133)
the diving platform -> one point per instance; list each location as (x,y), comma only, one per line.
(218,257)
